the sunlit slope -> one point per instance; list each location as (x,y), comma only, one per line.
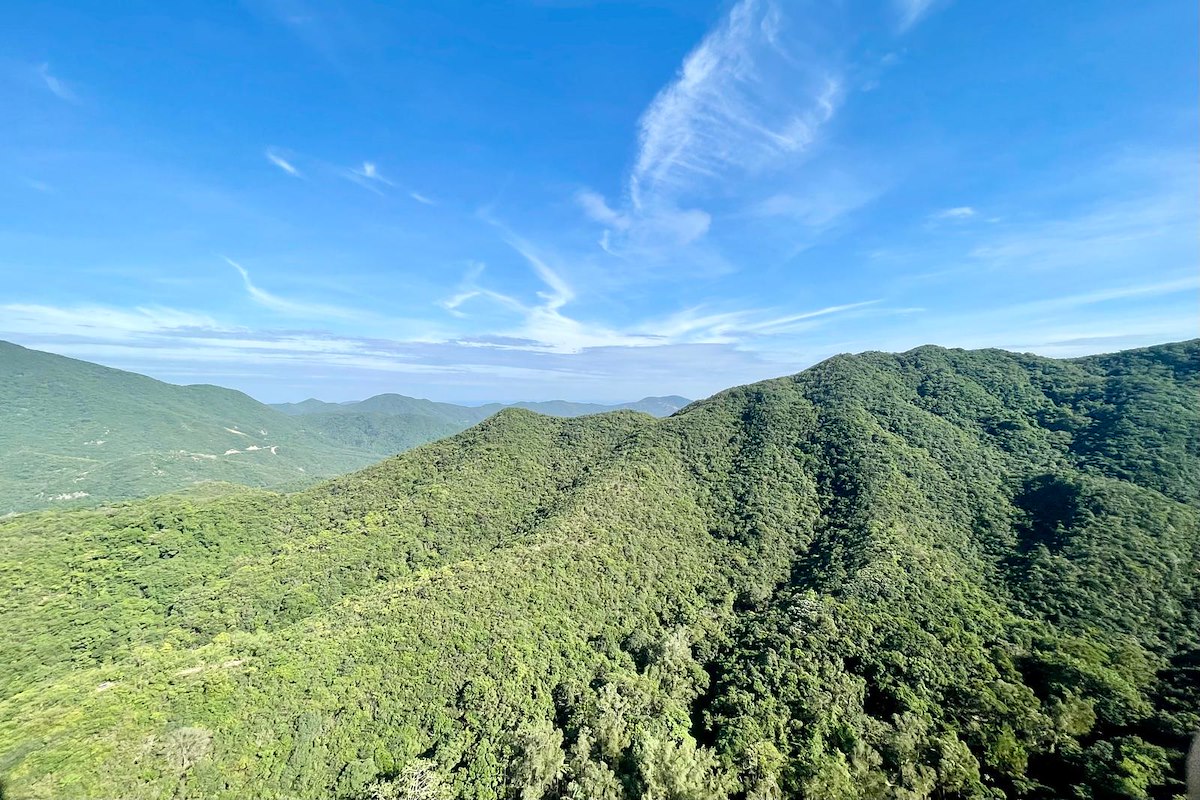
(935,574)
(72,433)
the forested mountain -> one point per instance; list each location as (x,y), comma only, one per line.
(74,433)
(654,406)
(392,404)
(940,574)
(469,415)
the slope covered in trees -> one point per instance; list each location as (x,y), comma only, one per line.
(937,574)
(465,416)
(74,433)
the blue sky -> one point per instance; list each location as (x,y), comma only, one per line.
(589,200)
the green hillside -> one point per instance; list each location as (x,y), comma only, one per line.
(387,424)
(382,433)
(466,416)
(939,574)
(75,433)
(654,406)
(394,404)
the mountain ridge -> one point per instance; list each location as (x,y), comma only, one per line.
(934,574)
(393,403)
(76,433)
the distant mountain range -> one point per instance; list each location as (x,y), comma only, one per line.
(73,433)
(394,404)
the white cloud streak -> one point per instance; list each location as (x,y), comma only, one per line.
(735,134)
(56,85)
(1101,320)
(597,209)
(1124,213)
(290,307)
(740,102)
(957,213)
(1144,290)
(910,12)
(1161,228)
(560,293)
(739,132)
(546,327)
(368,177)
(102,321)
(276,158)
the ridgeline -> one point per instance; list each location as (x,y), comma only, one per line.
(939,574)
(76,434)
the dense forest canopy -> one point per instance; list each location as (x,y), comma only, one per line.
(939,574)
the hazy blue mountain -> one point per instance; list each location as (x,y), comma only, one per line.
(469,415)
(654,406)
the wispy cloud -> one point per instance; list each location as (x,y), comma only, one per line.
(266,362)
(546,325)
(368,176)
(559,293)
(910,12)
(741,100)
(56,85)
(290,307)
(694,351)
(955,213)
(597,209)
(788,323)
(694,326)
(95,321)
(1189,284)
(739,132)
(1093,225)
(469,288)
(335,33)
(1128,315)
(1161,227)
(371,172)
(828,197)
(277,158)
(542,325)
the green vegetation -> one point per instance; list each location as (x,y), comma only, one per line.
(941,574)
(76,434)
(394,404)
(465,416)
(654,406)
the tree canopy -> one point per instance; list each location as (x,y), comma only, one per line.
(938,574)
